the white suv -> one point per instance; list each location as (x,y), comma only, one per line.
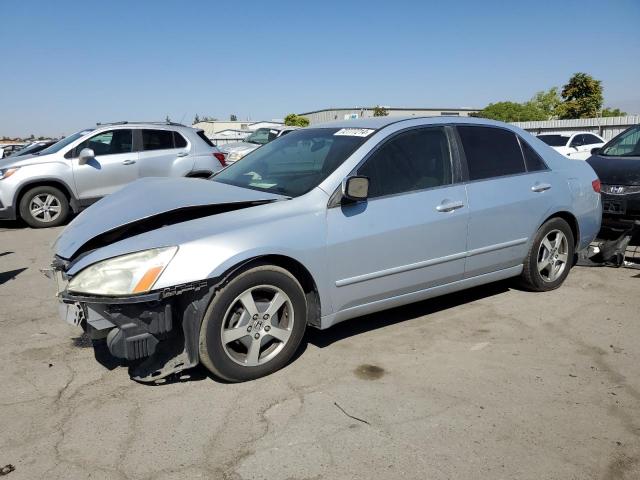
(44,188)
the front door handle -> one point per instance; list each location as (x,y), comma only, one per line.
(446,206)
(128,162)
(182,154)
(540,187)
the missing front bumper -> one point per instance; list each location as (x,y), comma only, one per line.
(156,334)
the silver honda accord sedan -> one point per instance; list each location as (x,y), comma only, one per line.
(322,225)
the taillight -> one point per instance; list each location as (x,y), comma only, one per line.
(596,185)
(220,157)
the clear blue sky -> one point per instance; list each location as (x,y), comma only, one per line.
(68,64)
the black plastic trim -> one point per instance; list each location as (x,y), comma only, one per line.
(147,297)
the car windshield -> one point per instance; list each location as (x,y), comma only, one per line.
(262,136)
(554,140)
(293,164)
(65,141)
(626,145)
(26,149)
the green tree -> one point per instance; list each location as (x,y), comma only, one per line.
(511,112)
(547,102)
(612,112)
(233,118)
(582,97)
(379,111)
(196,119)
(294,120)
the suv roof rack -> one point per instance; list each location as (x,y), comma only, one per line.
(125,122)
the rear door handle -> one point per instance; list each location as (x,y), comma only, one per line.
(183,154)
(449,206)
(128,162)
(540,187)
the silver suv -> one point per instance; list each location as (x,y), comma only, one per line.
(80,169)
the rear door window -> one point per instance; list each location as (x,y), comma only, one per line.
(577,141)
(491,152)
(414,160)
(157,140)
(591,140)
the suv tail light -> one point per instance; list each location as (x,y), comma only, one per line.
(596,185)
(221,159)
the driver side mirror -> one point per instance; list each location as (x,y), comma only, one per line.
(355,188)
(86,154)
(595,151)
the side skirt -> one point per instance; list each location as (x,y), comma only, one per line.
(372,307)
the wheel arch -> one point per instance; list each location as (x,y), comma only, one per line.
(295,268)
(46,182)
(571,220)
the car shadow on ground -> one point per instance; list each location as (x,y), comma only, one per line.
(10,275)
(356,326)
(386,318)
(12,225)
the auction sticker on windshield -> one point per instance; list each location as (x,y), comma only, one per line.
(355,132)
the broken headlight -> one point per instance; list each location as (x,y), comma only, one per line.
(125,275)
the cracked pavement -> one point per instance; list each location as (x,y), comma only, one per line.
(489,383)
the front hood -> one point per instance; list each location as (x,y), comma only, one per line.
(616,170)
(148,204)
(22,160)
(238,147)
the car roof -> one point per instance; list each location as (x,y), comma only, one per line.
(568,134)
(156,125)
(381,122)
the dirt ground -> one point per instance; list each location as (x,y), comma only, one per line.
(489,383)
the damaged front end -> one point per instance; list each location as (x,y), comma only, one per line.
(155,333)
(115,277)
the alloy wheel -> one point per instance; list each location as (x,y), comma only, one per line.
(45,207)
(553,255)
(257,325)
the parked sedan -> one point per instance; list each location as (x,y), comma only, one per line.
(236,150)
(33,148)
(8,148)
(319,226)
(618,166)
(576,146)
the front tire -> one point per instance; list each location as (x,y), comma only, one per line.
(43,207)
(550,257)
(254,324)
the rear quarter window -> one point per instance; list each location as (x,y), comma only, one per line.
(532,160)
(179,140)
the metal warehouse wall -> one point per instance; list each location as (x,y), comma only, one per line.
(322,116)
(607,127)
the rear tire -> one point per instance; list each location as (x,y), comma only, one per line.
(550,257)
(254,324)
(43,207)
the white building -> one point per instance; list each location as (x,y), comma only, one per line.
(331,114)
(225,131)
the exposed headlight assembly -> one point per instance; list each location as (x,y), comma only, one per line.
(129,274)
(7,172)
